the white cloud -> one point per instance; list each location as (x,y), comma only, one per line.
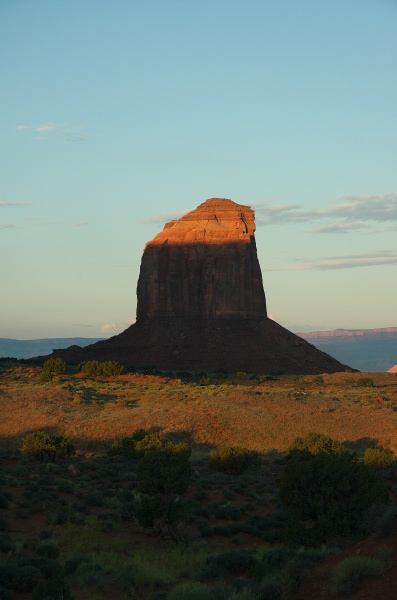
(351,211)
(374,259)
(65,131)
(340,227)
(47,127)
(370,207)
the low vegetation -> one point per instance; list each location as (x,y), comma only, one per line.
(47,447)
(233,459)
(108,368)
(149,487)
(327,493)
(350,573)
(378,458)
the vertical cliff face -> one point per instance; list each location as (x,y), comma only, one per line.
(203,266)
(201,304)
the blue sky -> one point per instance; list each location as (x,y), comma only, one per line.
(118,115)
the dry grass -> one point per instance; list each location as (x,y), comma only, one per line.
(260,416)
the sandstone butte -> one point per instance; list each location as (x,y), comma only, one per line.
(201,304)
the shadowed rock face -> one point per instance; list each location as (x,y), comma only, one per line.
(201,304)
(203,266)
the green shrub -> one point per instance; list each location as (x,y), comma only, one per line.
(127,446)
(89,572)
(48,549)
(233,459)
(18,578)
(205,380)
(150,442)
(378,458)
(71,564)
(5,594)
(351,572)
(221,374)
(127,576)
(158,510)
(47,566)
(65,485)
(228,512)
(241,375)
(47,447)
(316,443)
(55,365)
(6,543)
(111,368)
(329,492)
(192,590)
(4,502)
(8,575)
(27,579)
(273,559)
(165,468)
(365,382)
(245,594)
(385,554)
(45,376)
(236,562)
(51,589)
(137,445)
(95,368)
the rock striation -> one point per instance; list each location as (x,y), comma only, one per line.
(201,304)
(203,266)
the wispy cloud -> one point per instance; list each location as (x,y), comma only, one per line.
(4,203)
(370,207)
(7,226)
(79,224)
(352,212)
(76,138)
(373,259)
(36,221)
(47,127)
(65,131)
(166,217)
(340,227)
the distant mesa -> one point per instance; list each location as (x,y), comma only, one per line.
(393,369)
(201,304)
(30,348)
(363,349)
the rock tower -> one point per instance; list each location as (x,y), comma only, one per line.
(203,266)
(201,304)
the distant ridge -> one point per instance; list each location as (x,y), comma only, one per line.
(28,348)
(363,349)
